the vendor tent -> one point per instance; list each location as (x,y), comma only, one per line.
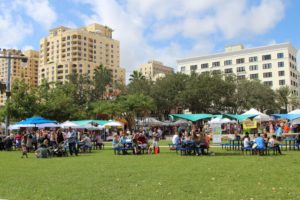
(239,118)
(35,120)
(297,111)
(182,122)
(113,124)
(150,121)
(191,117)
(260,116)
(219,121)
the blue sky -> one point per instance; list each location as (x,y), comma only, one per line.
(153,29)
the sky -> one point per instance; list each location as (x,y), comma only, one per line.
(164,30)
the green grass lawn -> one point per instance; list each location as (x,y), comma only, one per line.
(102,175)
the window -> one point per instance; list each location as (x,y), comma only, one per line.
(241,77)
(280,64)
(253,59)
(204,66)
(193,67)
(280,73)
(240,69)
(267,74)
(266,57)
(253,76)
(228,62)
(182,69)
(267,65)
(228,71)
(281,82)
(268,83)
(216,64)
(280,55)
(253,67)
(240,60)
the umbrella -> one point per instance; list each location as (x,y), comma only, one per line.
(150,121)
(182,122)
(35,120)
(260,116)
(113,124)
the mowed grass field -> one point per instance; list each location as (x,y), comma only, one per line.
(103,175)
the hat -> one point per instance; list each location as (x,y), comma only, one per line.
(128,132)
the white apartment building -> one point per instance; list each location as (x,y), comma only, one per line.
(274,65)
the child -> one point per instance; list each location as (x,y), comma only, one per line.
(155,142)
(24,151)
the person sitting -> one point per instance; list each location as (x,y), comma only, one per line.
(266,139)
(99,141)
(42,152)
(86,143)
(116,141)
(175,139)
(274,144)
(246,141)
(142,142)
(259,143)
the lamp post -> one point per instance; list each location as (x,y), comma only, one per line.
(7,54)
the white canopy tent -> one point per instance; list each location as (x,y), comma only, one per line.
(260,116)
(150,121)
(113,124)
(297,111)
(295,121)
(220,121)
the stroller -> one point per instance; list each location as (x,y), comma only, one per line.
(59,150)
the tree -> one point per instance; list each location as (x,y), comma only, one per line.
(166,92)
(102,78)
(285,97)
(135,106)
(23,102)
(105,107)
(136,75)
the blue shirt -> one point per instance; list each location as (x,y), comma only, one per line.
(278,131)
(260,142)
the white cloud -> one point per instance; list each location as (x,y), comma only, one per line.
(13,30)
(152,29)
(39,10)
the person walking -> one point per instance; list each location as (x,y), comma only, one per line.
(72,141)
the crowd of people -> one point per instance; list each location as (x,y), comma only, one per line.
(194,139)
(48,142)
(138,141)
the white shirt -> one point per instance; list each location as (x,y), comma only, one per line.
(175,139)
(246,143)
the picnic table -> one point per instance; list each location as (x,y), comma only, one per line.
(289,143)
(235,144)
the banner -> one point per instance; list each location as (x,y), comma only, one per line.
(217,133)
(248,124)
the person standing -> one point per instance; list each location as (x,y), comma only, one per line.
(72,141)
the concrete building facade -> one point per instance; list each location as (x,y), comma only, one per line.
(79,50)
(154,70)
(27,71)
(274,65)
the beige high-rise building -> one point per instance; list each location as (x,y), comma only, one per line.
(79,50)
(28,71)
(154,69)
(274,65)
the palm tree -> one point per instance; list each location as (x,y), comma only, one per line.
(285,97)
(136,75)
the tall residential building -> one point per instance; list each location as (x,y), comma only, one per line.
(79,50)
(154,70)
(28,71)
(275,65)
